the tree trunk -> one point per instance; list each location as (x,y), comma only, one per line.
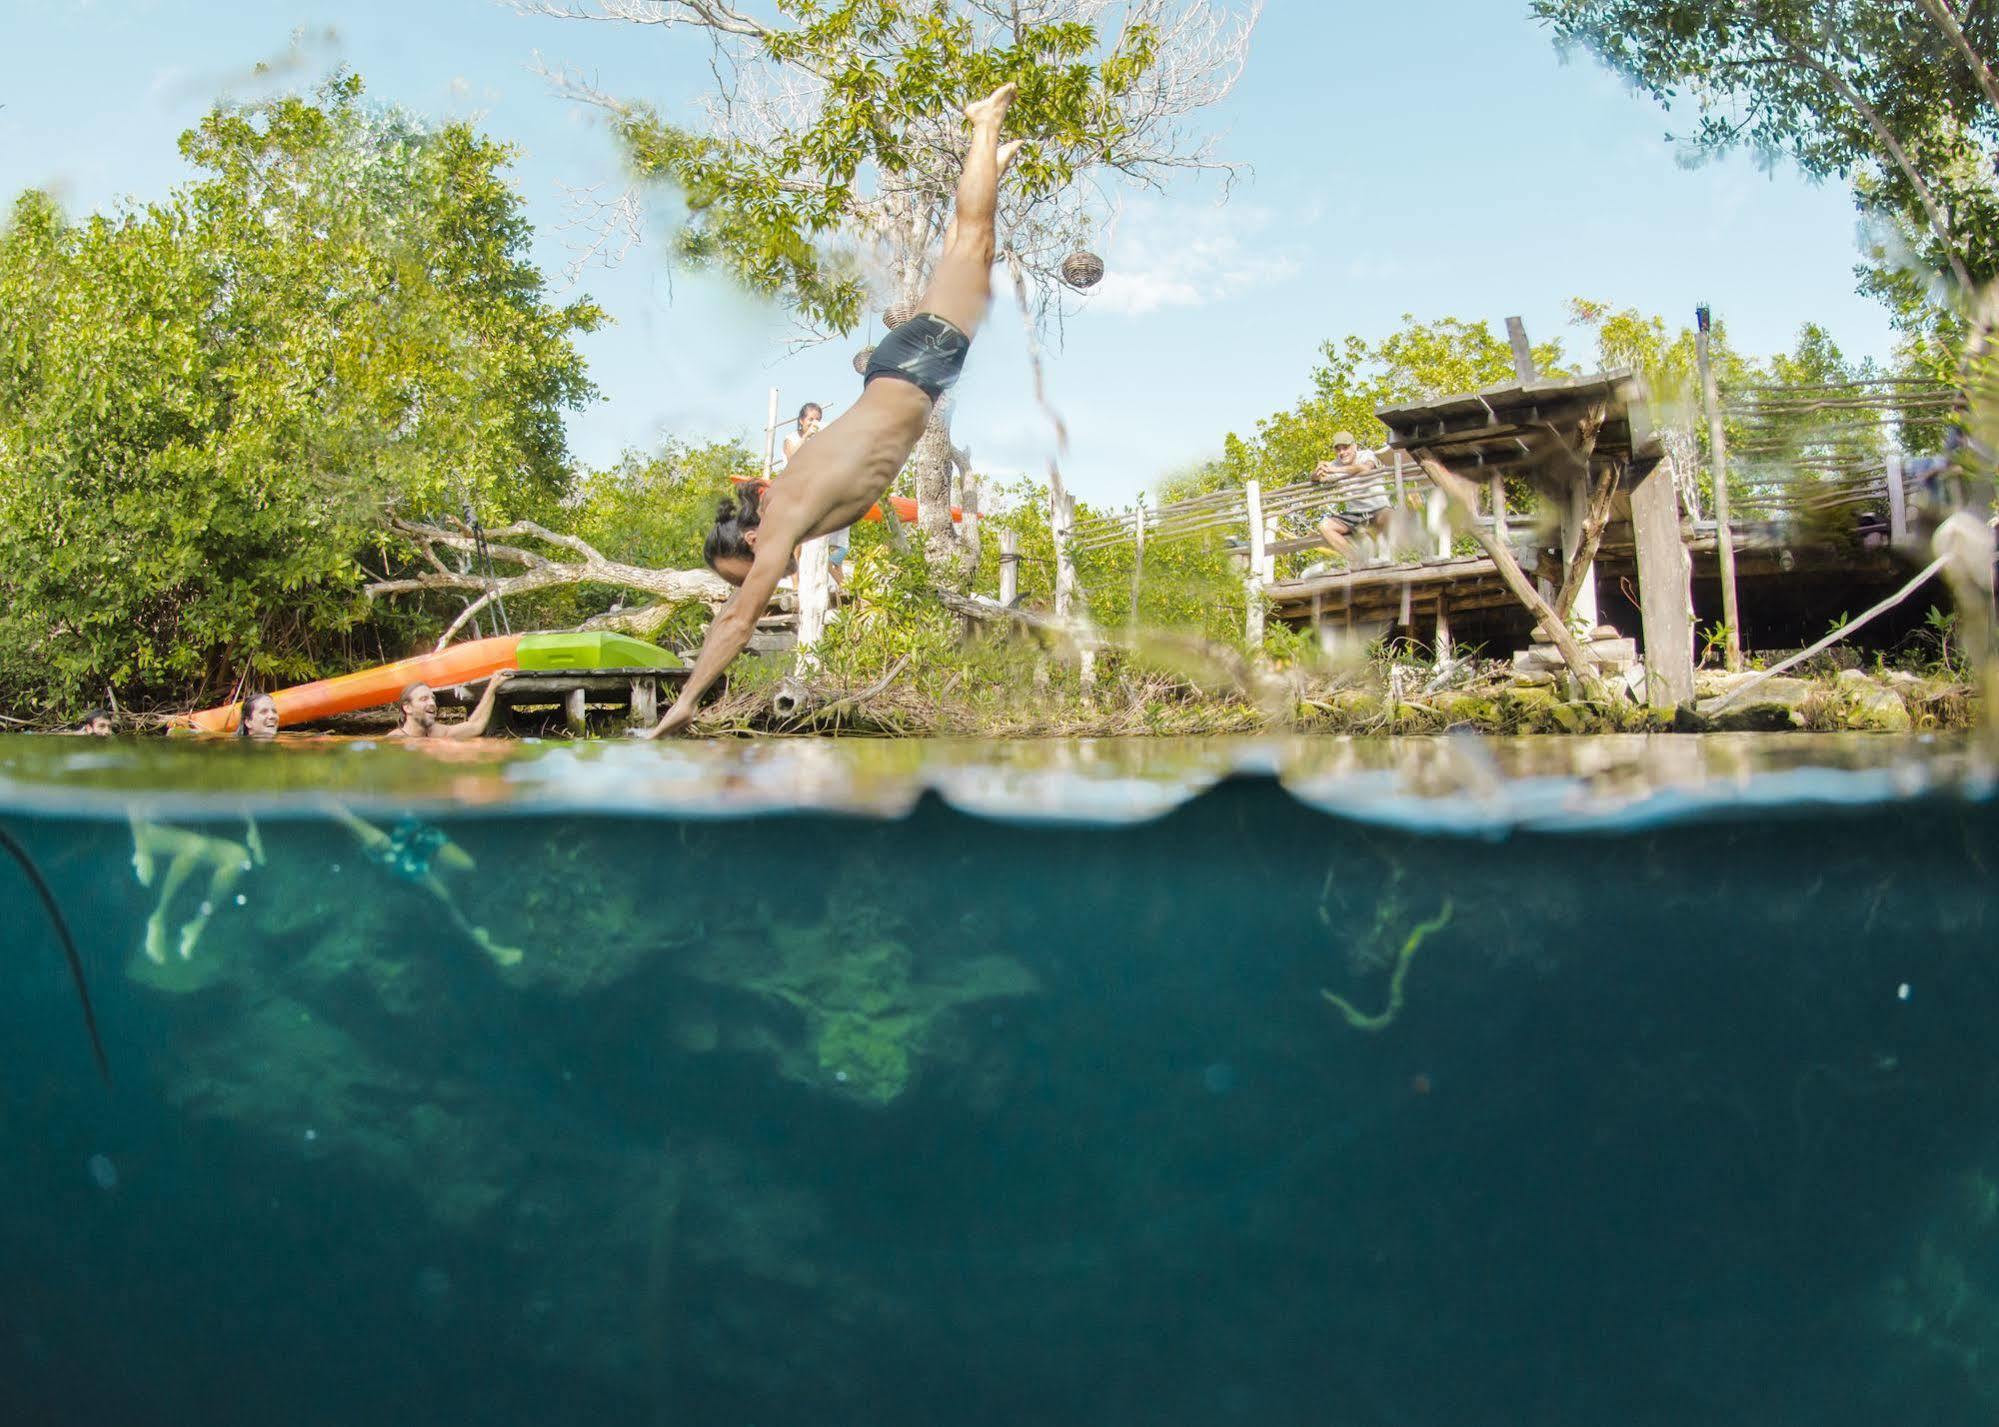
(930,464)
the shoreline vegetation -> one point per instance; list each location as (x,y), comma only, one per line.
(229,421)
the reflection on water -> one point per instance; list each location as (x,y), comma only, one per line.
(516,1086)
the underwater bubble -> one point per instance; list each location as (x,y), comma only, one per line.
(336,867)
(841,1076)
(246,867)
(208,909)
(103,1173)
(311,1134)
(1903,992)
(1219,1078)
(241,899)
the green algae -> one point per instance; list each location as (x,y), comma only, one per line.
(866,1011)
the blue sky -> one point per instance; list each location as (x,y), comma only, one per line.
(1392,174)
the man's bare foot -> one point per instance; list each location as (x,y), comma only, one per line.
(992,109)
(1007,152)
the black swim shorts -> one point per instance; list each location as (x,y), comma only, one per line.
(926,351)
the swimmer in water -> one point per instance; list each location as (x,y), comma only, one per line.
(419,709)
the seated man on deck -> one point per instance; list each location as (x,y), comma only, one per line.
(836,476)
(1367,510)
(419,706)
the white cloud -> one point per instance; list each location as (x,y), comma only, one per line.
(1178,256)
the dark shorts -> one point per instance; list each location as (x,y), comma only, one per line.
(926,351)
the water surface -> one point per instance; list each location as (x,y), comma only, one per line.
(815,1082)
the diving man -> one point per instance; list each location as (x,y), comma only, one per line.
(844,469)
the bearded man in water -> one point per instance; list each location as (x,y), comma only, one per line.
(847,467)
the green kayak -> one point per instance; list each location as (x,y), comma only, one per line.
(594,650)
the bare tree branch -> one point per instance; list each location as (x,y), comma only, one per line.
(669,587)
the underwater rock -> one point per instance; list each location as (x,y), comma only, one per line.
(1945,1302)
(865,1014)
(282,1071)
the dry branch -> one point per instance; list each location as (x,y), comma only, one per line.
(538,572)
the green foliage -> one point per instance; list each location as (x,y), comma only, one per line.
(1853,89)
(206,403)
(1419,361)
(890,616)
(780,212)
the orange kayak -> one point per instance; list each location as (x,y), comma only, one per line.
(383,684)
(905,510)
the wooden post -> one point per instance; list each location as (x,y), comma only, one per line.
(1665,592)
(1523,350)
(1253,584)
(1464,495)
(770,436)
(1498,498)
(1898,498)
(1575,528)
(1724,535)
(1061,517)
(1138,563)
(573,704)
(1009,563)
(1441,645)
(645,700)
(815,597)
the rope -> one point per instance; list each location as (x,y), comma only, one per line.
(54,912)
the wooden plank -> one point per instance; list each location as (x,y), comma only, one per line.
(770,436)
(1138,565)
(1523,350)
(1665,594)
(1259,556)
(549,686)
(1009,571)
(1898,500)
(645,701)
(815,596)
(1061,521)
(1731,609)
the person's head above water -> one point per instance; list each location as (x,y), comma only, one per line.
(258,717)
(419,706)
(96,723)
(731,547)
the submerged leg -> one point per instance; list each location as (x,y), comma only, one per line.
(184,862)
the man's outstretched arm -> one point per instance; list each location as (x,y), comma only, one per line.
(481,718)
(728,633)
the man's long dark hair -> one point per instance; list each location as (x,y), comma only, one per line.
(734,517)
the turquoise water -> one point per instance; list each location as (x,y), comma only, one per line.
(812,1083)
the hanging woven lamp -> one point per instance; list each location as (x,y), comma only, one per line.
(862,358)
(1082,270)
(893,317)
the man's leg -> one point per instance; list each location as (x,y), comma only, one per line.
(961,284)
